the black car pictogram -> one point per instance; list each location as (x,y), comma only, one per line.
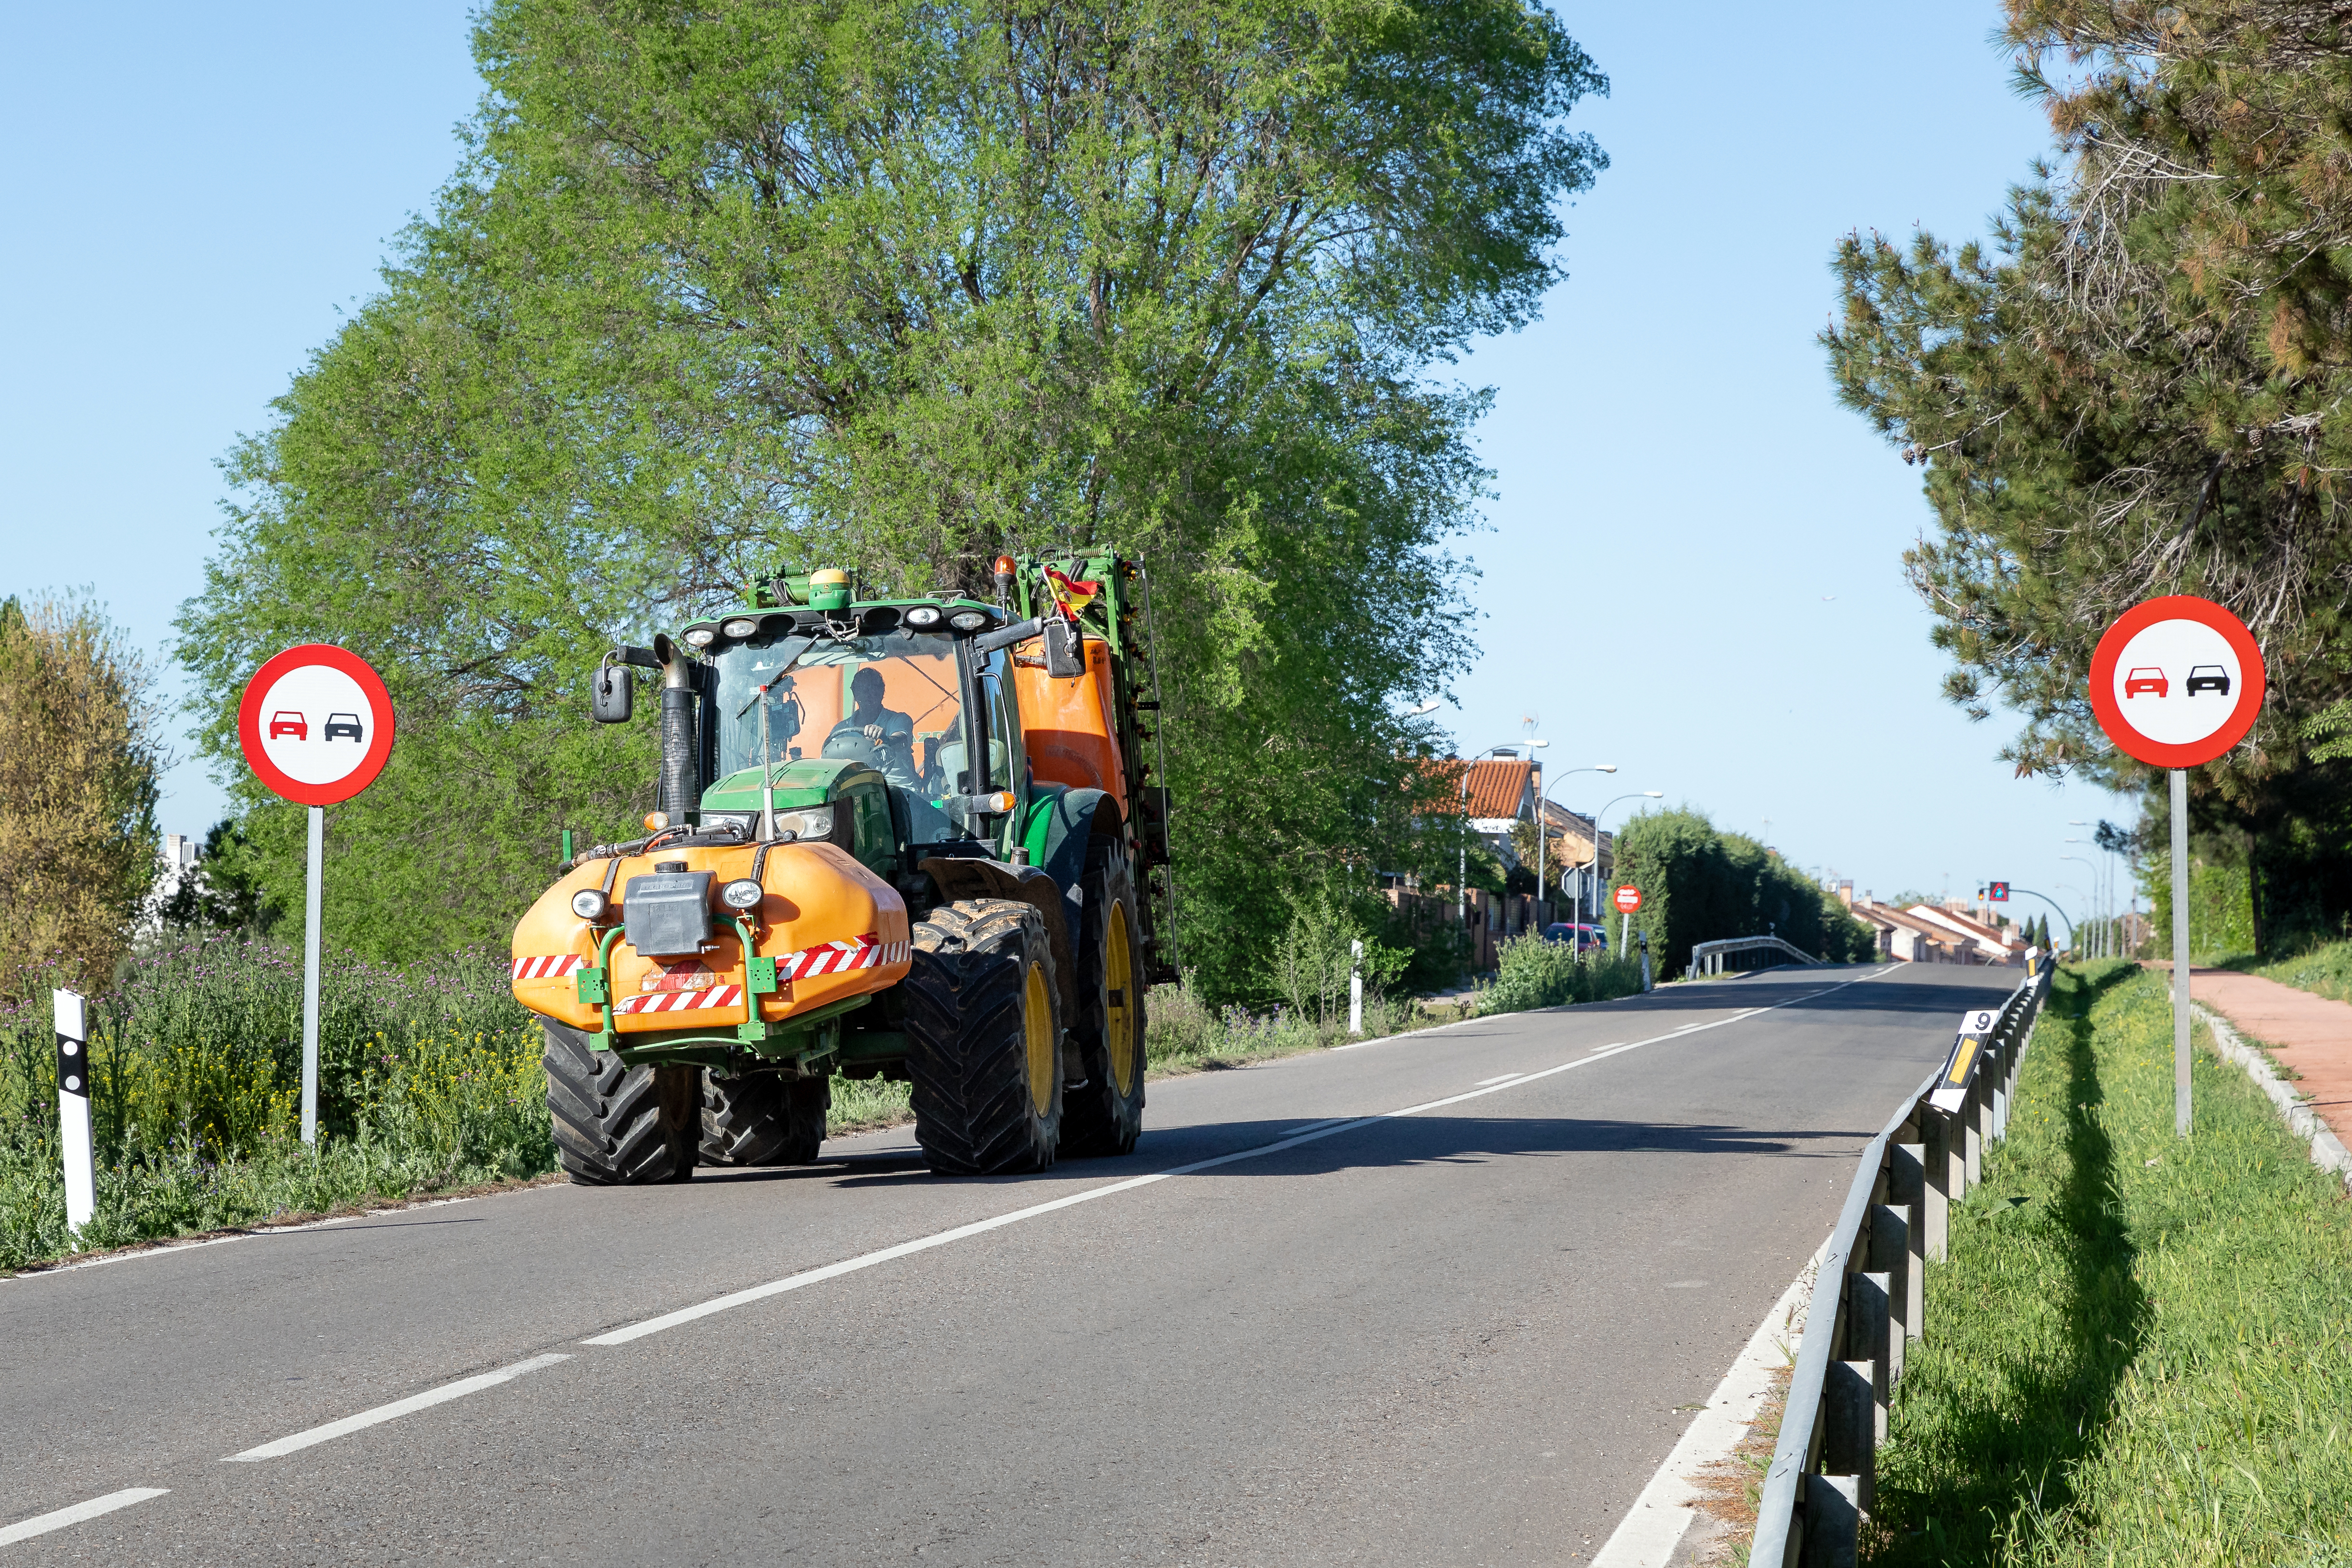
(2206,678)
(343,724)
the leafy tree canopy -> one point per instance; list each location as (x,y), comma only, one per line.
(897,285)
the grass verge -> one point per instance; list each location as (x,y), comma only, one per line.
(2325,970)
(2138,1350)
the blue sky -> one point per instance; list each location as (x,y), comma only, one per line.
(1692,564)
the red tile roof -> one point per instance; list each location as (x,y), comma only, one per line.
(1497,788)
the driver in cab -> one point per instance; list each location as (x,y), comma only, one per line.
(890,733)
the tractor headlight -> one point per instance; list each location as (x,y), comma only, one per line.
(968,620)
(923,617)
(590,903)
(743,894)
(739,627)
(809,822)
(701,637)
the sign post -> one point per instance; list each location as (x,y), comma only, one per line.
(2177,682)
(1627,898)
(316,725)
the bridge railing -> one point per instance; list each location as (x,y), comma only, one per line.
(1709,957)
(1867,1298)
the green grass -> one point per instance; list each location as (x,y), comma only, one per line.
(2140,1351)
(2325,970)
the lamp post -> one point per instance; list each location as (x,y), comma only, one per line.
(1577,906)
(1595,867)
(1462,870)
(2103,896)
(2094,870)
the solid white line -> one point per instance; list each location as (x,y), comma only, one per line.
(1647,1537)
(1504,1078)
(77,1513)
(396,1409)
(165,1249)
(982,1227)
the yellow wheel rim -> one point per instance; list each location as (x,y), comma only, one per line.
(1118,980)
(1038,1018)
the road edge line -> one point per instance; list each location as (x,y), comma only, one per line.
(1654,1526)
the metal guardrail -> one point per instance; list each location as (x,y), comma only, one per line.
(1867,1300)
(1706,957)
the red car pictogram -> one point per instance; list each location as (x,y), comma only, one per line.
(285,724)
(2146,681)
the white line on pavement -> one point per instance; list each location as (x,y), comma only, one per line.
(1500,1078)
(982,1227)
(77,1513)
(396,1409)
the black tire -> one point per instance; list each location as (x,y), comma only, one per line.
(983,1039)
(616,1125)
(763,1118)
(1104,1115)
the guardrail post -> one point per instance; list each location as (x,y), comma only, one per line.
(1972,1109)
(1867,1322)
(1833,1521)
(1849,1439)
(1890,1254)
(1943,1179)
(1906,1185)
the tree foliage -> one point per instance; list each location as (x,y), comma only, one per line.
(2140,387)
(1700,884)
(79,759)
(897,284)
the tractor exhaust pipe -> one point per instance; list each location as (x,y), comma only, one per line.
(681,695)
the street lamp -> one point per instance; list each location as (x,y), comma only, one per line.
(1462,870)
(1541,863)
(1595,867)
(2094,870)
(2101,897)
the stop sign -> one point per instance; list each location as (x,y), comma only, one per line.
(1628,898)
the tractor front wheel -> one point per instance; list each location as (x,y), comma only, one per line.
(763,1118)
(983,1039)
(617,1125)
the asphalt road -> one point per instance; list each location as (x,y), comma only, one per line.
(1466,1334)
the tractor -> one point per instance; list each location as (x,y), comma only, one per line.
(912,838)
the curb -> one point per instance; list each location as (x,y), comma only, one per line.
(2327,1151)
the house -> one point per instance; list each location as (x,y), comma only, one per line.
(1906,937)
(1980,942)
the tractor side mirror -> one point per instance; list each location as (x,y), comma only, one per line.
(1064,657)
(615,697)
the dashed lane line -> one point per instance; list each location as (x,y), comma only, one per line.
(395,1410)
(25,1530)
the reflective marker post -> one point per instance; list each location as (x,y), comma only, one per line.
(1355,988)
(73,1110)
(310,978)
(2180,951)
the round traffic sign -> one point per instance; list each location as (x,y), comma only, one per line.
(315,724)
(1628,898)
(2177,681)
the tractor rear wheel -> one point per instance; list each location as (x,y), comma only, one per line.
(1105,1114)
(763,1118)
(983,1039)
(617,1125)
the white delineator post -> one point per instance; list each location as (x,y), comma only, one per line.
(73,1111)
(310,978)
(2180,951)
(1355,988)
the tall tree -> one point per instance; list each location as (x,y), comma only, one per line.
(899,284)
(79,759)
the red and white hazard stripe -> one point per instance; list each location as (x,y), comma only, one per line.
(681,1002)
(865,952)
(548,966)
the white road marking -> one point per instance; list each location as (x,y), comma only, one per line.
(1654,1526)
(258,1233)
(396,1409)
(1504,1078)
(745,1297)
(77,1513)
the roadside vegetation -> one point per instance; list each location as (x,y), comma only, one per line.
(2138,1349)
(2325,970)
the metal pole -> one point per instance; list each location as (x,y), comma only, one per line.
(310,979)
(73,1110)
(2180,951)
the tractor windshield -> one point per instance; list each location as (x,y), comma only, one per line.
(893,702)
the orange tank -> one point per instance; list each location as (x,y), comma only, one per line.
(835,930)
(1068,726)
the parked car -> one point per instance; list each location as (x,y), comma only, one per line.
(2206,678)
(1585,937)
(282,725)
(2146,681)
(342,727)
